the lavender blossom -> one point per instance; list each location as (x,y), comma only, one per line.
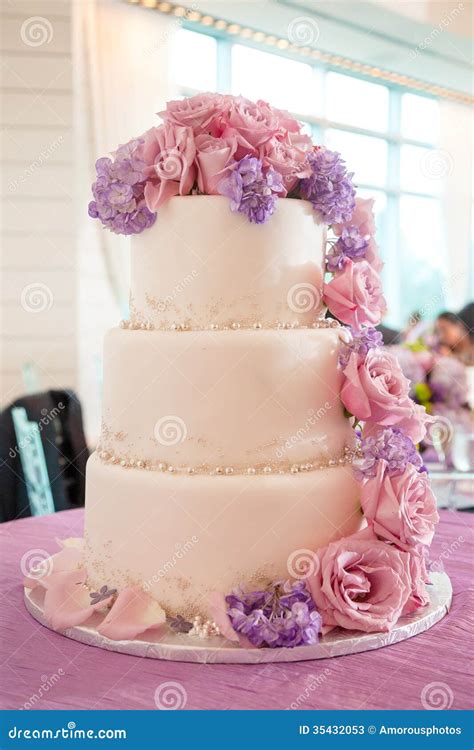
(330,187)
(392,446)
(101,595)
(361,342)
(118,191)
(284,614)
(251,190)
(351,244)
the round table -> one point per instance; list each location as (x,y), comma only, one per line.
(44,670)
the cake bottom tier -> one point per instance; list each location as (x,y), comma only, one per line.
(182,537)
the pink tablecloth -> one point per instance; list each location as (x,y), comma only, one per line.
(49,671)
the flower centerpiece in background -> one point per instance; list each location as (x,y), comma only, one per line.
(439,384)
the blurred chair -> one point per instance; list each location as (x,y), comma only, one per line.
(43,455)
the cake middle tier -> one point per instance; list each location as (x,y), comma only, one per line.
(228,399)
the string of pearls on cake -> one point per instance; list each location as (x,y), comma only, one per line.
(135,325)
(126,462)
(203,628)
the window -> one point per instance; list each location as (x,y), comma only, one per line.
(388,138)
(364,155)
(259,75)
(357,103)
(202,50)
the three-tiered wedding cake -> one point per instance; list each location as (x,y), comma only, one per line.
(222,402)
(222,499)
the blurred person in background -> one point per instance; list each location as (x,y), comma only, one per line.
(455,333)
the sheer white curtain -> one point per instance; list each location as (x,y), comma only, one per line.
(456,166)
(122,78)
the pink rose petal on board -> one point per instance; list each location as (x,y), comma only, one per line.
(53,567)
(68,602)
(132,613)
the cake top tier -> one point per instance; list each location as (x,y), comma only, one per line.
(197,189)
(200,266)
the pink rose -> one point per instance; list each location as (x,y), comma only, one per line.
(400,509)
(419,578)
(413,423)
(170,152)
(285,120)
(197,112)
(288,157)
(362,217)
(355,295)
(361,583)
(251,124)
(376,391)
(372,256)
(213,156)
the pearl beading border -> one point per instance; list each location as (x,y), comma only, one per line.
(127,462)
(134,325)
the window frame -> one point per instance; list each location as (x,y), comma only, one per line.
(320,124)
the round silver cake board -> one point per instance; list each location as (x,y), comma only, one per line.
(166,644)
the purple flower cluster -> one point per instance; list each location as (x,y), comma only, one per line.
(361,342)
(330,187)
(251,190)
(119,192)
(282,615)
(351,244)
(448,382)
(392,446)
